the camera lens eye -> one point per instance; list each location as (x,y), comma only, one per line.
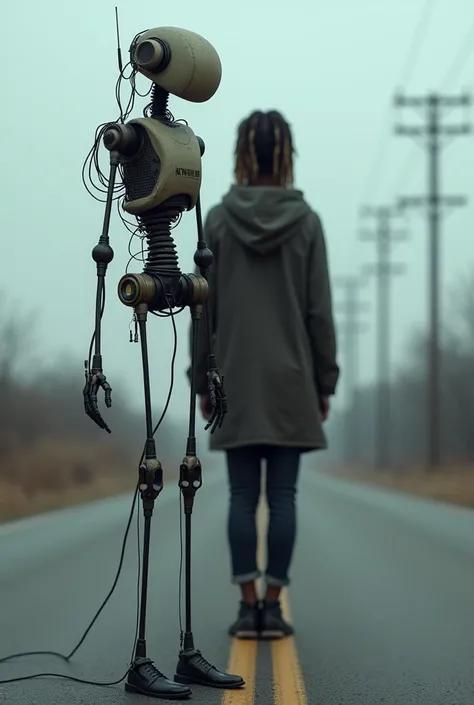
(149,54)
(145,52)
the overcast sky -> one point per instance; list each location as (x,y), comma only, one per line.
(330,67)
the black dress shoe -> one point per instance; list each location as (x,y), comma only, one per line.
(193,668)
(145,679)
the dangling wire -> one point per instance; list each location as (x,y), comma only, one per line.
(94,180)
(96,183)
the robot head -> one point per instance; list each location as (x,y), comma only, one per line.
(179,61)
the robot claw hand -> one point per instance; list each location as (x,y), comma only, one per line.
(218,399)
(95,381)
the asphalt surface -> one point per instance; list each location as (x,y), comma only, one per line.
(382,598)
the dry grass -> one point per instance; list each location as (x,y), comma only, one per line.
(51,454)
(14,504)
(453,483)
(51,474)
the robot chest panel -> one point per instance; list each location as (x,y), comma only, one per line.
(141,175)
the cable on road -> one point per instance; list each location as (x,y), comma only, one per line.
(68,657)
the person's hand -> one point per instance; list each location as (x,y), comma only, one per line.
(206,406)
(325,406)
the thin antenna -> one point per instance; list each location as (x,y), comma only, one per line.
(119,51)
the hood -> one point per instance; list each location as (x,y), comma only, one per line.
(263,217)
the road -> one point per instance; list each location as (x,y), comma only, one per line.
(382,600)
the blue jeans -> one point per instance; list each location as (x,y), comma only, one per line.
(244,470)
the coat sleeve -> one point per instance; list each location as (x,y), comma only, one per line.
(320,319)
(203,352)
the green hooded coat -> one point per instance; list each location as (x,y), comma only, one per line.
(272,323)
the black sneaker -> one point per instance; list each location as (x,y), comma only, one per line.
(273,626)
(246,625)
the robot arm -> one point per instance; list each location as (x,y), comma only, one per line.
(160,165)
(204,258)
(102,254)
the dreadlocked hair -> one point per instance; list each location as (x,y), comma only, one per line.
(264,147)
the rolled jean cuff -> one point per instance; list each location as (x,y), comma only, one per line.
(246,578)
(276,582)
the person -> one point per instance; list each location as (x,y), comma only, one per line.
(271,319)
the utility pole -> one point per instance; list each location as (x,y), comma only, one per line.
(351,328)
(432,132)
(383,269)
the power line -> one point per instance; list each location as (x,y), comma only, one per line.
(419,34)
(384,236)
(460,59)
(412,54)
(434,201)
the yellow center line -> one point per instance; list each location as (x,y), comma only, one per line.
(243,662)
(288,682)
(244,652)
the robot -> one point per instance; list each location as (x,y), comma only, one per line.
(159,160)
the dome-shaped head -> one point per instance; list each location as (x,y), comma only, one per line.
(180,61)
(264,149)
